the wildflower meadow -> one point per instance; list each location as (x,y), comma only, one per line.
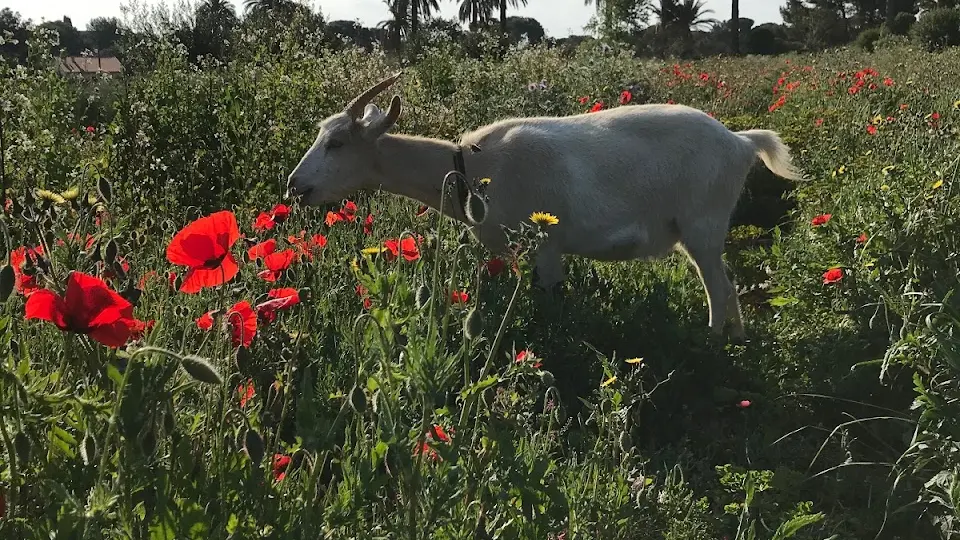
(185,353)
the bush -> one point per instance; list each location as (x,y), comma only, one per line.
(902,24)
(938,29)
(867,39)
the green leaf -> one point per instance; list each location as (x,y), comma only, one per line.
(793,526)
(781,301)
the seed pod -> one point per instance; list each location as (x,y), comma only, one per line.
(110,252)
(626,443)
(547,378)
(423,296)
(253,446)
(21,445)
(7,281)
(200,369)
(88,449)
(473,324)
(104,189)
(475,209)
(358,400)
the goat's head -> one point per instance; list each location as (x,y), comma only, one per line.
(340,161)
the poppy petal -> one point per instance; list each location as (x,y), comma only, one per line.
(47,306)
(198,278)
(206,238)
(90,302)
(114,334)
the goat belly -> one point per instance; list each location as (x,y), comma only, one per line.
(633,241)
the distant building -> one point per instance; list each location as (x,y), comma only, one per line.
(89,66)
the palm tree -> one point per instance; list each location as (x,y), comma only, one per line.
(685,15)
(267,6)
(419,9)
(215,20)
(503,12)
(396,27)
(476,11)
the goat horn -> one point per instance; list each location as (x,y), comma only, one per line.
(355,107)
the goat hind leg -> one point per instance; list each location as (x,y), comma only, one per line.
(722,300)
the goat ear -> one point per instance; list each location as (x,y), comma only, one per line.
(379,126)
(370,113)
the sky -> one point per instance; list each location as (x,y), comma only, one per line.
(558,17)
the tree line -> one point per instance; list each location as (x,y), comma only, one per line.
(650,27)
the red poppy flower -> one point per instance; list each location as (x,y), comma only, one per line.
(88,307)
(743,404)
(243,323)
(349,211)
(625,97)
(822,219)
(139,328)
(583,100)
(818,122)
(280,464)
(276,263)
(862,239)
(459,297)
(495,266)
(434,433)
(246,391)
(362,293)
(205,321)
(407,247)
(598,106)
(146,278)
(25,284)
(832,275)
(279,299)
(204,247)
(872,129)
(888,81)
(280,212)
(264,222)
(262,249)
(368,224)
(527,355)
(904,106)
(91,129)
(307,246)
(332,218)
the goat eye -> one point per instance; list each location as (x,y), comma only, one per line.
(334,144)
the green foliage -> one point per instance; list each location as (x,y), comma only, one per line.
(938,29)
(867,39)
(376,407)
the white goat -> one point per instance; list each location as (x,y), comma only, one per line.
(630,182)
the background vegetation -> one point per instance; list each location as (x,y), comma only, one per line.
(609,414)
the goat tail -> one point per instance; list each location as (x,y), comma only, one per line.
(774,153)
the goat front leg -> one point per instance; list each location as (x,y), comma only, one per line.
(548,269)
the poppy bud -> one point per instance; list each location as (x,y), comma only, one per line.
(473,324)
(7,280)
(21,445)
(200,369)
(253,446)
(244,360)
(104,189)
(423,296)
(476,209)
(626,443)
(148,223)
(547,378)
(358,400)
(88,449)
(110,252)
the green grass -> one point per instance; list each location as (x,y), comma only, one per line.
(851,385)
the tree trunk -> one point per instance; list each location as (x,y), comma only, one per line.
(414,19)
(503,17)
(735,25)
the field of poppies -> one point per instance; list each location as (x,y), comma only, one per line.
(184,354)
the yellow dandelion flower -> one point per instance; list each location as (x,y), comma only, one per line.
(840,171)
(634,360)
(373,250)
(355,265)
(71,193)
(937,185)
(608,382)
(878,119)
(544,218)
(485,181)
(50,196)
